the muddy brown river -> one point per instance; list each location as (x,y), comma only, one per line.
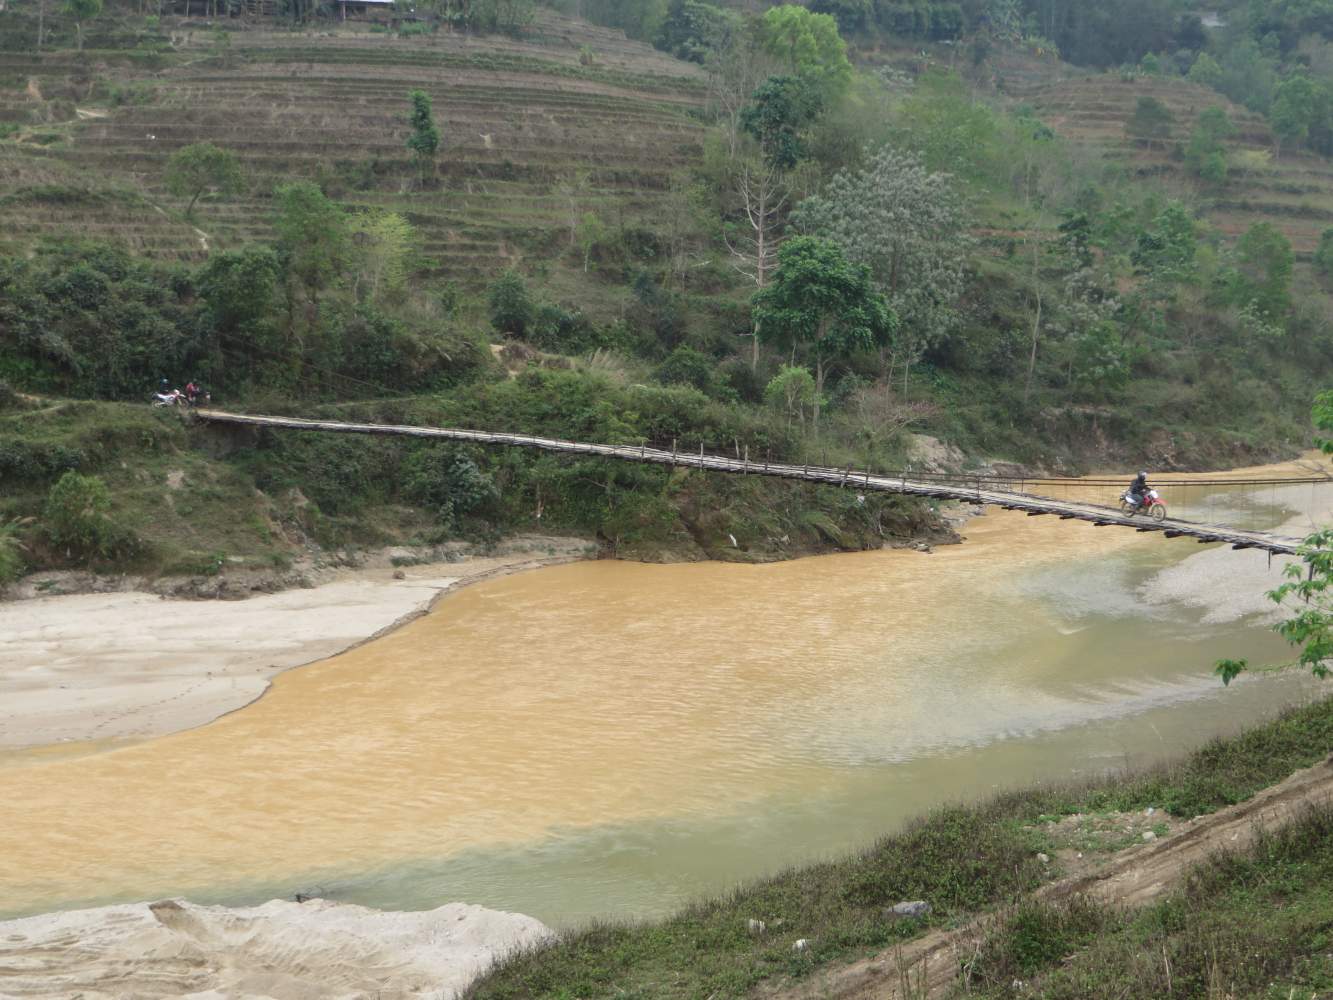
(615,739)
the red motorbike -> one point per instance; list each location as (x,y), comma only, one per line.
(1152,505)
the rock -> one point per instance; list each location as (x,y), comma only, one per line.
(757,926)
(398,574)
(917,908)
(1149,811)
(933,455)
(1149,836)
(1044,858)
(801,945)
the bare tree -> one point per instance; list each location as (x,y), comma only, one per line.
(734,72)
(572,187)
(755,252)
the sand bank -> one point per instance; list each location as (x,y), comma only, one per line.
(317,950)
(127,666)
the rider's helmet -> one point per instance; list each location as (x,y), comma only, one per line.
(1142,474)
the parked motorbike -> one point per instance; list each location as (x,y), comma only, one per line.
(173,398)
(1153,505)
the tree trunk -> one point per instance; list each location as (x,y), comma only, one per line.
(41,22)
(1032,358)
(189,209)
(761,265)
(819,389)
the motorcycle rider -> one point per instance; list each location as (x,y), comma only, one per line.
(1138,489)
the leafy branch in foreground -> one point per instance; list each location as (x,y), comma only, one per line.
(1311,628)
(1310,581)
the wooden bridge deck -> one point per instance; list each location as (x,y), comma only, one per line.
(1032,504)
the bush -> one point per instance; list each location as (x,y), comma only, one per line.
(448,482)
(11,549)
(555,328)
(23,461)
(75,519)
(686,366)
(510,304)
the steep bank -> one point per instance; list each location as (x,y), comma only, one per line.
(130,665)
(279,951)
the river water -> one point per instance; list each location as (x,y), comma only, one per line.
(611,739)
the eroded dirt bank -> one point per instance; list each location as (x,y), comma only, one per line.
(132,665)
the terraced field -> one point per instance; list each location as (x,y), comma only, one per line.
(532,137)
(1293,192)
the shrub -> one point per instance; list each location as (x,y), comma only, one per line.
(11,549)
(555,328)
(25,461)
(510,304)
(75,518)
(686,366)
(448,482)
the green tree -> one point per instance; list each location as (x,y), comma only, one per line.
(1151,121)
(1323,255)
(1206,72)
(809,45)
(75,518)
(782,110)
(1294,110)
(1167,248)
(909,227)
(425,138)
(80,11)
(511,306)
(313,235)
(382,245)
(1262,275)
(239,287)
(193,169)
(821,306)
(792,391)
(693,30)
(1206,154)
(592,232)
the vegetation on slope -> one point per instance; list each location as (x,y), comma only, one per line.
(1253,924)
(960,859)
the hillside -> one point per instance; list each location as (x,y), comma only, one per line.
(573,261)
(520,118)
(1293,192)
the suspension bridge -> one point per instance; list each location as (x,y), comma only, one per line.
(977,490)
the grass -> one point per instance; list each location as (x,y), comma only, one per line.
(1255,924)
(961,859)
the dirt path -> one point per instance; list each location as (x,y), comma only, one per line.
(928,966)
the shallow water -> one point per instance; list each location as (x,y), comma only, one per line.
(614,739)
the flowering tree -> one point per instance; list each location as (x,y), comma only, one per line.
(909,227)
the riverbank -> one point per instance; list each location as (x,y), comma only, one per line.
(831,930)
(129,665)
(281,950)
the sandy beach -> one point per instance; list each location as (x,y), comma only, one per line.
(282,950)
(129,666)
